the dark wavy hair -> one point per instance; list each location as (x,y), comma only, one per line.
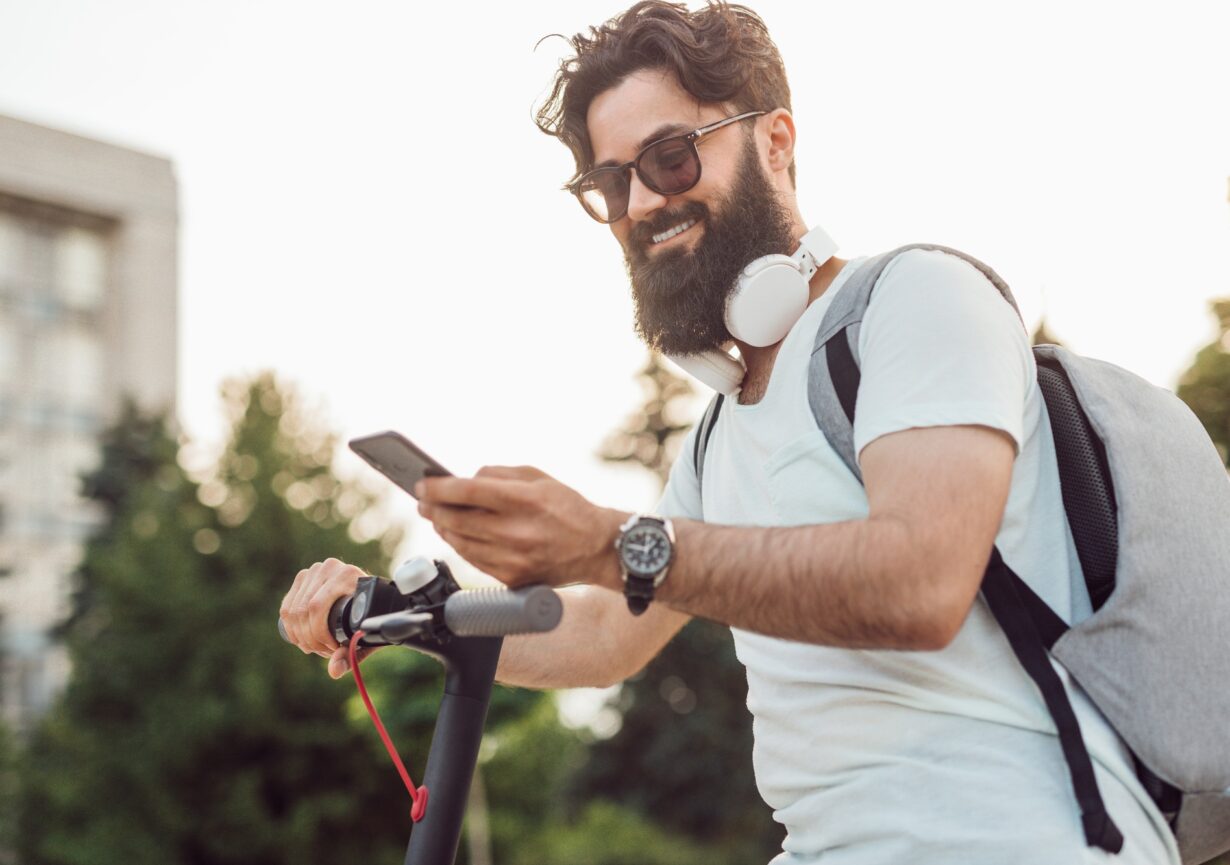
(721,54)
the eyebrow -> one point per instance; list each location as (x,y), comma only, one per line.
(661,132)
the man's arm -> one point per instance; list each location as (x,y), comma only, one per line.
(903,578)
(596,645)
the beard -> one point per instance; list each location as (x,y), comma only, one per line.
(680,295)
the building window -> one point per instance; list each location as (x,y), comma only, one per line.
(10,252)
(81,272)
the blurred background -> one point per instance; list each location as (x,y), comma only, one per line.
(234,235)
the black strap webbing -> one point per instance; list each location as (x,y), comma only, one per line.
(701,443)
(999,588)
(843,371)
(1046,621)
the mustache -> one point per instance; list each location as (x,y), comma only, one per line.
(641,235)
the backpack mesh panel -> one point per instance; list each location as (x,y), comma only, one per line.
(1088,495)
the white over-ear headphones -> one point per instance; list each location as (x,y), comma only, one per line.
(770,296)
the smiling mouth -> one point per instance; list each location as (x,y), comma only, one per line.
(673,232)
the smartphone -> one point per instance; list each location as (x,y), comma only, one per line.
(398,459)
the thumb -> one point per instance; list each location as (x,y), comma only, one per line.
(339,663)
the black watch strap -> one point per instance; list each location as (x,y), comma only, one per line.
(639,587)
(639,592)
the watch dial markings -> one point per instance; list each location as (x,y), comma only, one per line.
(646,550)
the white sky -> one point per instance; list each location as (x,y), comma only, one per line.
(367,208)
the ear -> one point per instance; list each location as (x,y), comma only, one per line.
(779,125)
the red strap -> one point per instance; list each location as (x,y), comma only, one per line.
(419,796)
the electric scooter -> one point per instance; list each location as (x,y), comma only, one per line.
(423,608)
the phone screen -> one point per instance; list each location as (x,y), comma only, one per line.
(397,458)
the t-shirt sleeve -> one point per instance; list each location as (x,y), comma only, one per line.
(940,346)
(681,498)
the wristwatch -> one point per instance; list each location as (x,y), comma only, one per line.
(646,548)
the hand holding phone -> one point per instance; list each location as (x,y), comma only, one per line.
(398,459)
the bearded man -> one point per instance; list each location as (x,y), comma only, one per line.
(892,721)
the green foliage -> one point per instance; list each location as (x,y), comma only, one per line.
(1205,387)
(8,795)
(607,834)
(189,731)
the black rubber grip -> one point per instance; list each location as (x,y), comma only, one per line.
(498,612)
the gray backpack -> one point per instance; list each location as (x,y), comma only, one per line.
(1148,502)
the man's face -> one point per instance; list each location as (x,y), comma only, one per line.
(680,284)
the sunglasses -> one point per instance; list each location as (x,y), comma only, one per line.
(668,166)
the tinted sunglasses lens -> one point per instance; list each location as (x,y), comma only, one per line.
(604,194)
(669,167)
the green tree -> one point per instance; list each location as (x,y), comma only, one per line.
(189,731)
(682,756)
(8,793)
(1205,387)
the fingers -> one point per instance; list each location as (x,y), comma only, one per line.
(305,609)
(500,521)
(511,567)
(290,622)
(470,523)
(319,606)
(493,494)
(495,488)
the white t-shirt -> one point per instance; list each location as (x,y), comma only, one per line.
(919,757)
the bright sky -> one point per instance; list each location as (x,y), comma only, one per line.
(368,210)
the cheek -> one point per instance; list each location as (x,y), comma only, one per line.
(619,230)
(718,174)
(709,188)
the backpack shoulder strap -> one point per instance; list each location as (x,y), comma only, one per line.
(701,443)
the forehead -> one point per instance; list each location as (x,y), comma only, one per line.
(646,105)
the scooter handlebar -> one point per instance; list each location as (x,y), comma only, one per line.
(491,612)
(497,612)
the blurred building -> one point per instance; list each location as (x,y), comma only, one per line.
(88,235)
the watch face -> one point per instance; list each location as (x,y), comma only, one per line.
(645,549)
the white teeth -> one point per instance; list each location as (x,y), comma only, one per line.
(669,233)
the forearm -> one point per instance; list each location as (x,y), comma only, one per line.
(854,584)
(574,655)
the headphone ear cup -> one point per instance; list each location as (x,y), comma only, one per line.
(768,299)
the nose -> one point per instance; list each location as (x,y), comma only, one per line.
(642,201)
